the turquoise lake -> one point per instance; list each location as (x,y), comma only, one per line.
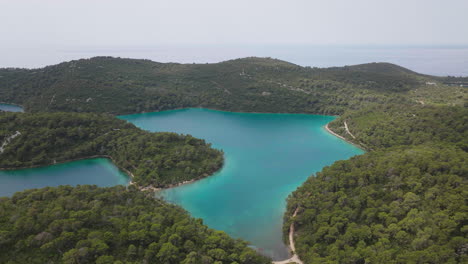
(101,172)
(267,156)
(11,108)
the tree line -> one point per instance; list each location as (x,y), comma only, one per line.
(87,224)
(402,202)
(154,159)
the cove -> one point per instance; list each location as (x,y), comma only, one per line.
(267,156)
(99,171)
(11,108)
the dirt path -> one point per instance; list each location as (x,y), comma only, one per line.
(360,145)
(295,257)
(7,140)
(335,134)
(347,130)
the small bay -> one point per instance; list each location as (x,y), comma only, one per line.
(267,156)
(11,108)
(99,171)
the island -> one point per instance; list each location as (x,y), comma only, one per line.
(403,201)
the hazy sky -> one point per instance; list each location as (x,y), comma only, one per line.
(431,36)
(133,22)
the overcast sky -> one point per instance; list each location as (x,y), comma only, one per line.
(133,22)
(36,33)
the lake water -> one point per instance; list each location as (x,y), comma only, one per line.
(267,156)
(11,108)
(101,172)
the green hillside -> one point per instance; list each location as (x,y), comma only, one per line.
(154,159)
(402,202)
(120,86)
(87,224)
(405,205)
(380,127)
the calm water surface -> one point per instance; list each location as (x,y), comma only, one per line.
(101,172)
(267,156)
(11,108)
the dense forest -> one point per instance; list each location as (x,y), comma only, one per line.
(121,86)
(398,124)
(405,205)
(155,159)
(402,202)
(87,224)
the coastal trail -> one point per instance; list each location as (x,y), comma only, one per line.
(358,144)
(295,257)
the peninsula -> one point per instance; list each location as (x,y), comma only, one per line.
(403,200)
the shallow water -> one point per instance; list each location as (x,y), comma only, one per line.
(101,172)
(11,108)
(267,156)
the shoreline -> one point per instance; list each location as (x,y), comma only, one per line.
(174,185)
(70,160)
(294,258)
(5,103)
(343,138)
(129,173)
(224,111)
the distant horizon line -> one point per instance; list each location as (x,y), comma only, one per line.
(227,45)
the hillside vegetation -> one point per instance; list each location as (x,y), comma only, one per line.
(406,205)
(87,224)
(398,124)
(155,159)
(403,202)
(120,86)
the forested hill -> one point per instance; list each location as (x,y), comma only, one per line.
(155,159)
(405,205)
(119,86)
(86,224)
(380,127)
(402,202)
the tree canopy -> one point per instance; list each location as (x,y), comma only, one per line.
(87,224)
(155,159)
(403,202)
(121,86)
(380,127)
(405,205)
